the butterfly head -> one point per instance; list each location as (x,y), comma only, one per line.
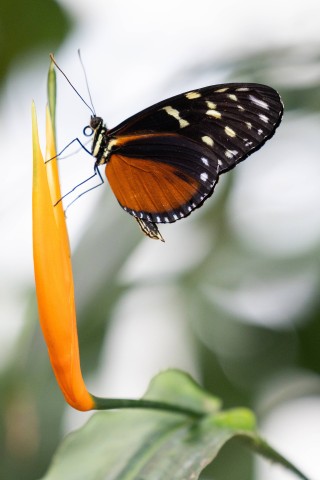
(95,122)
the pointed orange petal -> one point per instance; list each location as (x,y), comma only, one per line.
(54,186)
(53,276)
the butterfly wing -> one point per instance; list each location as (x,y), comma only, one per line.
(165,161)
(161,177)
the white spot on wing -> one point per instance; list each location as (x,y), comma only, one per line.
(230,153)
(258,102)
(208,140)
(221,90)
(204,176)
(193,95)
(211,105)
(230,132)
(264,118)
(205,161)
(213,113)
(175,114)
(233,97)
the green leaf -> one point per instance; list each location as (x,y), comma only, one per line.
(155,445)
(179,388)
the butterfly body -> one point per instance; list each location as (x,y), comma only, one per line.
(165,161)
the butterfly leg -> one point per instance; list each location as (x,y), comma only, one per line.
(150,229)
(67,146)
(96,172)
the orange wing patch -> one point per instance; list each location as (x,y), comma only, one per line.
(150,186)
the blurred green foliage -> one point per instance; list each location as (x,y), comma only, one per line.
(26,27)
(151,443)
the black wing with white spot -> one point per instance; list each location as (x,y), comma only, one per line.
(164,162)
(232,120)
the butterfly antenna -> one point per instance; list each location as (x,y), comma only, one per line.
(86,79)
(65,76)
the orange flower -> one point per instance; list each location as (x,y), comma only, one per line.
(54,280)
(53,274)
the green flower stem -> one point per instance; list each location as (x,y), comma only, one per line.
(120,403)
(52,95)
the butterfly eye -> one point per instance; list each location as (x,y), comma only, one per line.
(87,131)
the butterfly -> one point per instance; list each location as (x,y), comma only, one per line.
(165,161)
